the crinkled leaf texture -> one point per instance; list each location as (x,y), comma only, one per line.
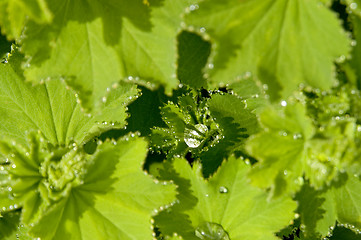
(52,109)
(115,201)
(284,42)
(292,148)
(226,205)
(209,128)
(101,196)
(93,44)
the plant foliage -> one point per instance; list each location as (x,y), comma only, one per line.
(180,119)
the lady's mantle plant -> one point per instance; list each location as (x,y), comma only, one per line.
(182,119)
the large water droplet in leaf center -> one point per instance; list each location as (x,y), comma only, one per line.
(193,136)
(211,231)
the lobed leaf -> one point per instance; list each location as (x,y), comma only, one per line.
(94,44)
(69,194)
(283,42)
(52,108)
(226,206)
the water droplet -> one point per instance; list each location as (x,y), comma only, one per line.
(192,143)
(245,104)
(359,128)
(353,6)
(104,99)
(283,133)
(341,59)
(283,103)
(202,30)
(302,227)
(247,75)
(223,189)
(297,136)
(193,7)
(210,66)
(353,43)
(193,138)
(210,230)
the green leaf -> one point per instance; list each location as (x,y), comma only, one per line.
(251,91)
(52,109)
(226,205)
(349,193)
(355,61)
(310,202)
(283,42)
(206,126)
(193,53)
(94,44)
(344,234)
(237,123)
(293,147)
(5,46)
(15,13)
(190,128)
(319,210)
(69,194)
(354,7)
(283,148)
(8,225)
(326,2)
(115,202)
(145,112)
